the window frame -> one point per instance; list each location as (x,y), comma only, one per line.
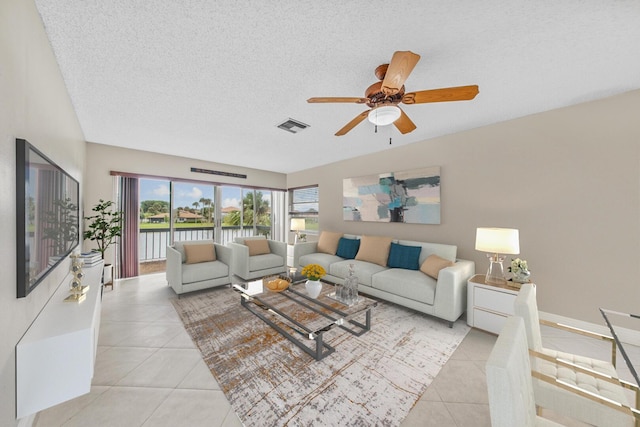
(306,214)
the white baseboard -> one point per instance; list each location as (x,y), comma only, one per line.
(625,335)
(27,421)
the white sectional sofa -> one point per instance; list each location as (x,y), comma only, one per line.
(444,297)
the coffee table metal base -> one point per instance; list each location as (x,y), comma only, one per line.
(322,349)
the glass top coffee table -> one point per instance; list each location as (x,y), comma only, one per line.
(303,319)
(610,318)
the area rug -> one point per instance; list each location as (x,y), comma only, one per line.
(371,380)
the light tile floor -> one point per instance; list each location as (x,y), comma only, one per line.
(149,373)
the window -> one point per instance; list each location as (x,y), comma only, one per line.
(176,210)
(303,203)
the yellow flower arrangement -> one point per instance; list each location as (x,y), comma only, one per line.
(313,271)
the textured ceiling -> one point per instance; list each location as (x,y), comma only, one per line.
(212,79)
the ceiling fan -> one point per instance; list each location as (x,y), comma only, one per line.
(384,96)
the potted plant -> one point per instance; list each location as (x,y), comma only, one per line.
(313,273)
(103,228)
(520,270)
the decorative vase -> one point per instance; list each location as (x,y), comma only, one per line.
(521,276)
(350,288)
(313,288)
(339,287)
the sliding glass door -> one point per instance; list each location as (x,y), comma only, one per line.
(230,213)
(262,212)
(173,211)
(244,212)
(154,224)
(192,211)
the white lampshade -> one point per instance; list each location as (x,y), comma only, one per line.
(498,240)
(297,224)
(384,115)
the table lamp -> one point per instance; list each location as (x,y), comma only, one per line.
(497,241)
(297,224)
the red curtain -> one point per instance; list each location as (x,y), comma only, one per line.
(129,204)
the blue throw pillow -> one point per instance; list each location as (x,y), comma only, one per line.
(348,248)
(402,256)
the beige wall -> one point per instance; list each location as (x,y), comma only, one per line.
(102,159)
(568,179)
(34,105)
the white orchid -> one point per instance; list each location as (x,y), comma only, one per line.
(518,265)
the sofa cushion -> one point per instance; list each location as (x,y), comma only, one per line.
(433,264)
(325,260)
(179,246)
(402,256)
(242,239)
(442,250)
(257,246)
(195,254)
(192,273)
(374,249)
(363,269)
(348,248)
(409,284)
(265,261)
(328,242)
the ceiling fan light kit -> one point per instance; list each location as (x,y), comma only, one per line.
(384,96)
(385,115)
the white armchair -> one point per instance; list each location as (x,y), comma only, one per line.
(272,260)
(508,369)
(184,275)
(597,377)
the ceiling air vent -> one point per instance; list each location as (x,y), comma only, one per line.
(293,126)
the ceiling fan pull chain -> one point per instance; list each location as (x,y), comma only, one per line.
(389,141)
(376,129)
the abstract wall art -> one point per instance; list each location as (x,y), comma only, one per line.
(411,197)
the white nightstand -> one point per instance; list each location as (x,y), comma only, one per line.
(488,306)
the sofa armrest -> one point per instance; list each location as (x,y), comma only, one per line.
(278,248)
(239,259)
(451,290)
(304,248)
(223,254)
(174,269)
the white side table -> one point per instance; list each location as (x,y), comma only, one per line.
(488,306)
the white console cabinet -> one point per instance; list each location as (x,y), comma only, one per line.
(55,357)
(488,306)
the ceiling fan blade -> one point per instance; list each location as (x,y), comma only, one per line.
(353,123)
(400,67)
(338,99)
(404,123)
(459,93)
